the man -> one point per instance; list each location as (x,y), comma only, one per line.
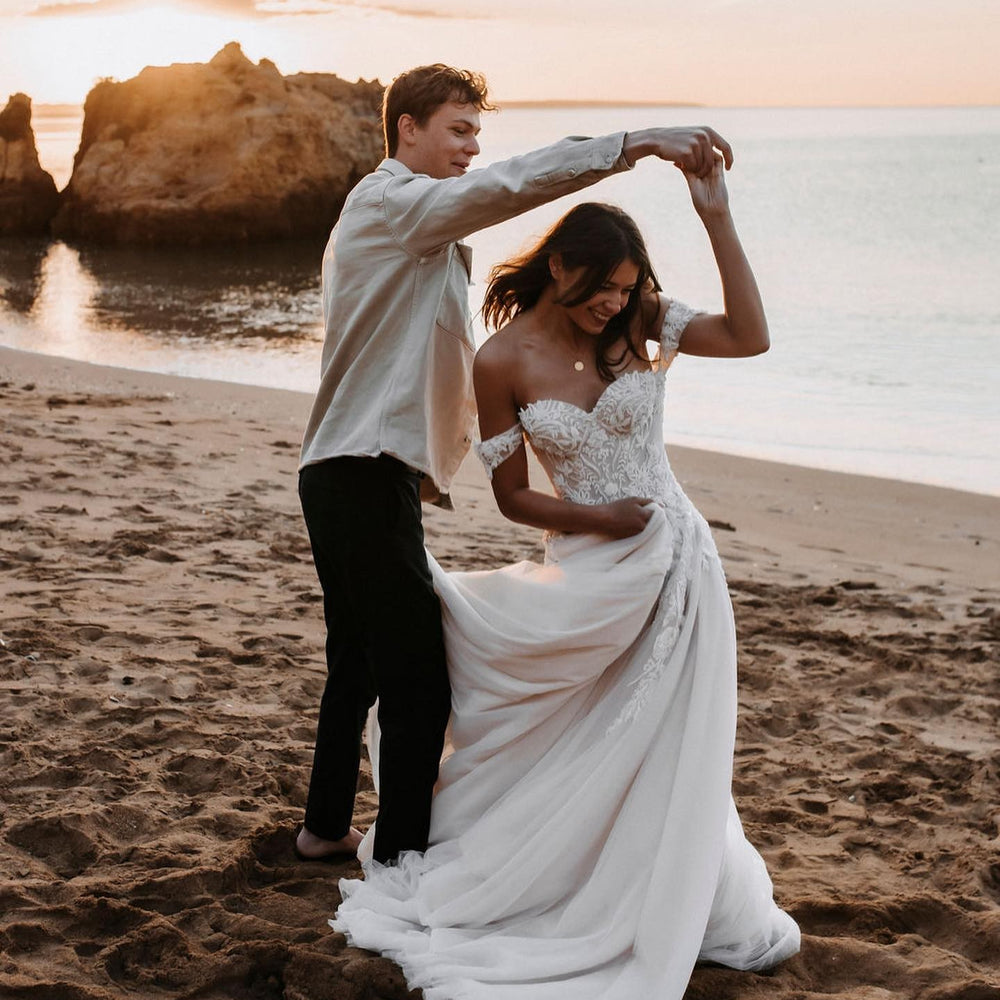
(393,419)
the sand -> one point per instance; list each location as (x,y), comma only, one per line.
(161,666)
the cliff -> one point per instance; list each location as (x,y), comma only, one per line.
(28,197)
(219,151)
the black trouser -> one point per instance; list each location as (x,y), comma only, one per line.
(384,640)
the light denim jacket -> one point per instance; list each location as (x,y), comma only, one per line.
(397,359)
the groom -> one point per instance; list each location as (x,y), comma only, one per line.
(393,419)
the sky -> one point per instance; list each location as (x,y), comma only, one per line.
(716,52)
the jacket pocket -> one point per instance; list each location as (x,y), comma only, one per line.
(453,315)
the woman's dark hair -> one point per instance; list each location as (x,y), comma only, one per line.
(595,237)
(421,91)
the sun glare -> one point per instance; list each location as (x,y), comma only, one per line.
(123,44)
(815,55)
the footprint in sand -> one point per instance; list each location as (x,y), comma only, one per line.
(939,922)
(98,922)
(197,774)
(154,955)
(923,706)
(57,841)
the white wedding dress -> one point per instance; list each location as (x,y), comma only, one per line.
(584,841)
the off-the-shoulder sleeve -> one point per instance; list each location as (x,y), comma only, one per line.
(675,319)
(496,450)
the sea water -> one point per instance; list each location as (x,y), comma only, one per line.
(874,235)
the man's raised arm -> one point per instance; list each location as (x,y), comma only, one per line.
(426,214)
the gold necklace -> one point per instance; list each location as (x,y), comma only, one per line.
(578,364)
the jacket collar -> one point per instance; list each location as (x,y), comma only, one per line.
(394,167)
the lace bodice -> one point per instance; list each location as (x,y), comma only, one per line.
(610,452)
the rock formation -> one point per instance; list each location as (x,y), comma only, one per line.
(219,151)
(28,197)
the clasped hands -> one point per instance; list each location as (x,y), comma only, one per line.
(694,150)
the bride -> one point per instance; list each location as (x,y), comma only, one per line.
(584,841)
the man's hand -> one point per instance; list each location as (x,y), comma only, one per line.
(694,150)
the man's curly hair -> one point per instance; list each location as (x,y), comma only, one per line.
(421,91)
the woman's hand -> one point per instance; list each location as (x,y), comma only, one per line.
(623,518)
(708,192)
(741,331)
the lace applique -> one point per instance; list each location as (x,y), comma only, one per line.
(611,452)
(675,319)
(494,451)
(666,627)
(695,540)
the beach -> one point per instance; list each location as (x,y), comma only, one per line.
(162,664)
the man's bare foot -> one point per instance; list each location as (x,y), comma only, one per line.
(309,847)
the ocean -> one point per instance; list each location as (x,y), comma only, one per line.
(874,235)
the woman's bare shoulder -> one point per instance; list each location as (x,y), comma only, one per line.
(506,347)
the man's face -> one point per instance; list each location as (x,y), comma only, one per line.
(445,146)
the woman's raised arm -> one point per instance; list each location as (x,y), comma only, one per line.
(742,330)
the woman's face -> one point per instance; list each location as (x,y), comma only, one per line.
(593,315)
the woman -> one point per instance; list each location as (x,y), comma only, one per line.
(584,840)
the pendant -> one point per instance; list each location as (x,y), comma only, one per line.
(579,365)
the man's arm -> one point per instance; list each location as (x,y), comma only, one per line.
(426,214)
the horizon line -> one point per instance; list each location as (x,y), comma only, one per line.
(53,107)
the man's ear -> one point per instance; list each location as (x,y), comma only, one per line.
(406,126)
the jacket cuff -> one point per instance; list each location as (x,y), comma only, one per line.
(605,155)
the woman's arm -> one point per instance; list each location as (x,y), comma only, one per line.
(498,411)
(741,331)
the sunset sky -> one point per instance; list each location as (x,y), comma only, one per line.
(718,52)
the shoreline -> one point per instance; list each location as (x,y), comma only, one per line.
(161,661)
(672,446)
